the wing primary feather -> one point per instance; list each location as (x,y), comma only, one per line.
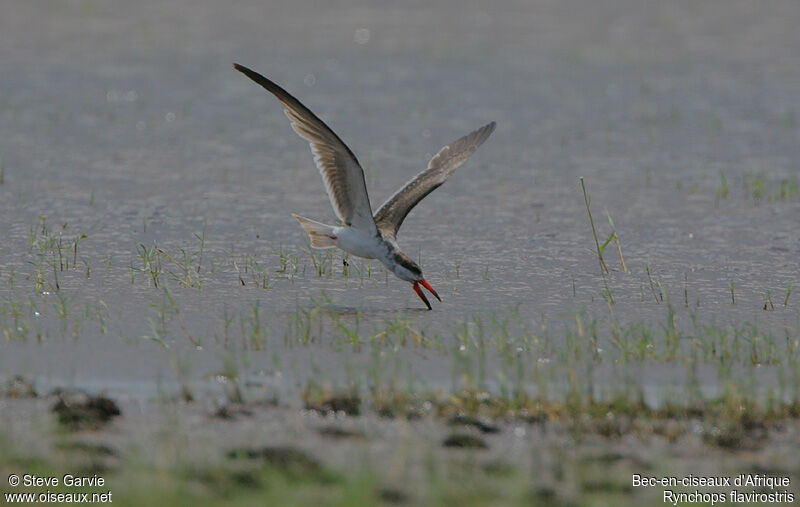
(391,214)
(340,170)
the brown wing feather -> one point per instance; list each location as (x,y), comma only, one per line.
(341,172)
(391,215)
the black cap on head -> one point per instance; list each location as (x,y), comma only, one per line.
(405,261)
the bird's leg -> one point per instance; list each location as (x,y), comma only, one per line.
(421,295)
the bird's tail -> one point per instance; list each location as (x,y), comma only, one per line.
(321,235)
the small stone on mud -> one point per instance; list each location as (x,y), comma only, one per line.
(340,433)
(18,387)
(468,420)
(77,410)
(392,495)
(464,440)
(350,404)
(232,411)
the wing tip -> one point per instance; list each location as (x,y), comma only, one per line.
(484,132)
(255,76)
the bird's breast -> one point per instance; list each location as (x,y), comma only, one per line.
(359,243)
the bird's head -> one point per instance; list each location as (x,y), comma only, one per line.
(408,270)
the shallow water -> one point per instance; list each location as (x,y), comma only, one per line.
(127,124)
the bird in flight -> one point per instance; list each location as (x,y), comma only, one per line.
(364,234)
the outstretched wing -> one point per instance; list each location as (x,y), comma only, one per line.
(341,172)
(391,215)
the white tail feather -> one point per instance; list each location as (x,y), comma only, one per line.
(321,235)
